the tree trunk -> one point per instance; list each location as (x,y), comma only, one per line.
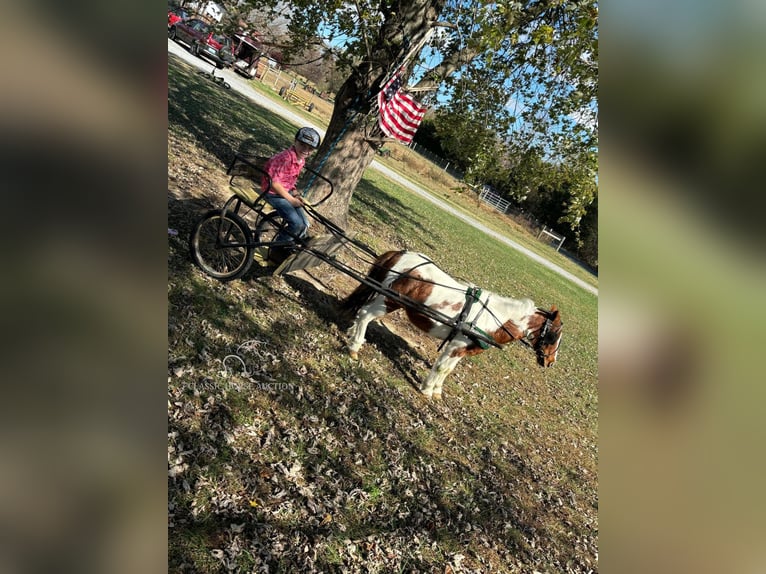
(346,151)
(344,154)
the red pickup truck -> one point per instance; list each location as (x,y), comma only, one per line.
(203,42)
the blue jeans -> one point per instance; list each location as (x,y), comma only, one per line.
(297,221)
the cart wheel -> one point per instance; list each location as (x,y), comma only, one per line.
(268,227)
(227,85)
(222,247)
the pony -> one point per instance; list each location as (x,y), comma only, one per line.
(467,320)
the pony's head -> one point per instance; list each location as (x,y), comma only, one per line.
(548,340)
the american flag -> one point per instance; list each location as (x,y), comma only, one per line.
(400,114)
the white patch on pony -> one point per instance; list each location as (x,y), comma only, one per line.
(517,310)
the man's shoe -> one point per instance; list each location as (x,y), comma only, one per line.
(307,239)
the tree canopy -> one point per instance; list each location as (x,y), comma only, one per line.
(505,79)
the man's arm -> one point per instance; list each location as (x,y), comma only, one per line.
(280,190)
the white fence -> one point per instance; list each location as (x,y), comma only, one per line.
(556,237)
(490,198)
(502,205)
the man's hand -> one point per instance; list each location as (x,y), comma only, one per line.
(296,201)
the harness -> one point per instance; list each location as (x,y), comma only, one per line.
(476,334)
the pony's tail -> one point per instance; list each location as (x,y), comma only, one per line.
(363,294)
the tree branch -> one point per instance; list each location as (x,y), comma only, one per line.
(433,78)
(364,31)
(421,88)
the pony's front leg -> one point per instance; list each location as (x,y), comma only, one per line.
(371,311)
(444,365)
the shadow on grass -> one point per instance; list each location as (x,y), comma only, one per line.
(378,458)
(371,204)
(221,121)
(396,349)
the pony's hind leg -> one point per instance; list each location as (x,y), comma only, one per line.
(371,311)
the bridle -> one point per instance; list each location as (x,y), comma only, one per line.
(529,339)
(529,336)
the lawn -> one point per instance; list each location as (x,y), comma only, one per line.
(285,453)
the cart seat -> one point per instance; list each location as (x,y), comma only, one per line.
(246,173)
(249,195)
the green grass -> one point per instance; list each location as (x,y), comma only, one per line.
(503,471)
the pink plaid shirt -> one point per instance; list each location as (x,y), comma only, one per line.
(285,167)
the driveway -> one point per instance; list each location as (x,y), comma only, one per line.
(241,85)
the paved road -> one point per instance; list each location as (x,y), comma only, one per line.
(241,85)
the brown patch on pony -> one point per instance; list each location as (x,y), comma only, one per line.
(539,317)
(508,332)
(416,289)
(392,305)
(447,305)
(363,294)
(536,322)
(419,320)
(469,351)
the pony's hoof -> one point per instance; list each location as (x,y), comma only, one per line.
(354,355)
(426,394)
(437,396)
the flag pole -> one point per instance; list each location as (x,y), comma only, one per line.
(413,50)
